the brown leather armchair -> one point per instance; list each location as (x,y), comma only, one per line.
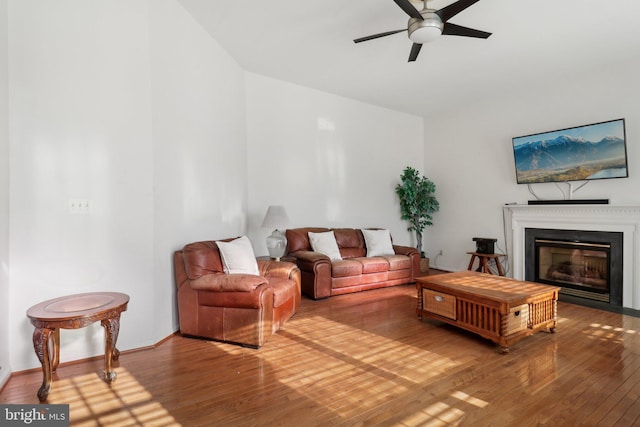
(237,308)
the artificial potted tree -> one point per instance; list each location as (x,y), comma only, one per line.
(417,203)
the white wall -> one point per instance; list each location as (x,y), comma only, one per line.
(147,122)
(80,127)
(469,153)
(200,155)
(5,366)
(331,161)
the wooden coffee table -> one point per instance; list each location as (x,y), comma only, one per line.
(501,309)
(73,312)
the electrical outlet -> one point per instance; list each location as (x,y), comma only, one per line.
(79,206)
(440,252)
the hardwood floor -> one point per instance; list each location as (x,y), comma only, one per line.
(362,360)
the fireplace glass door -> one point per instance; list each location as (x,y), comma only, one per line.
(575,265)
(586,265)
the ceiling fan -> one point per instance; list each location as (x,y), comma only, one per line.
(428,24)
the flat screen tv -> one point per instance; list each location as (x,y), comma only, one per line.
(595,151)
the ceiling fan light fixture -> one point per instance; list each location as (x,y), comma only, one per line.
(427,29)
(425,35)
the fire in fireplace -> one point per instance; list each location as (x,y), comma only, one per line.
(585,264)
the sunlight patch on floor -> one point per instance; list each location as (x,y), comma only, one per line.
(608,333)
(469,399)
(92,402)
(442,413)
(613,328)
(379,367)
(437,414)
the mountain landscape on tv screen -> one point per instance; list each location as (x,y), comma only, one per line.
(567,158)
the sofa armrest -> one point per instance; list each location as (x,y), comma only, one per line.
(228,282)
(307,259)
(405,250)
(273,268)
(315,269)
(415,258)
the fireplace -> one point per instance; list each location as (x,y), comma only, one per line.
(624,220)
(584,264)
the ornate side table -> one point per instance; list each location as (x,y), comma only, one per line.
(74,312)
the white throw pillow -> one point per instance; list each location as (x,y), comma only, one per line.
(325,243)
(238,257)
(378,242)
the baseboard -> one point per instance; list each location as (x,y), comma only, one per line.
(5,374)
(599,305)
(570,202)
(85,359)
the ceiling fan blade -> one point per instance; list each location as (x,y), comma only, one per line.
(409,9)
(457,30)
(376,36)
(453,9)
(415,50)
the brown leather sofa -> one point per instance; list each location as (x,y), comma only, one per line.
(322,278)
(237,308)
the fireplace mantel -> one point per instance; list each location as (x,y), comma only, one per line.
(625,219)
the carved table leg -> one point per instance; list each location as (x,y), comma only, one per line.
(55,350)
(41,346)
(111,329)
(419,308)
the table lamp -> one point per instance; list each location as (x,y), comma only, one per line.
(275,218)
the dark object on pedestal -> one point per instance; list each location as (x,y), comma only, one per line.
(484,245)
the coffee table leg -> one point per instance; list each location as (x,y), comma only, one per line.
(111,329)
(41,338)
(504,326)
(552,329)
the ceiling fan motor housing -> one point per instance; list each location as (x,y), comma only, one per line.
(427,29)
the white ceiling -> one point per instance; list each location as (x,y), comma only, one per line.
(311,43)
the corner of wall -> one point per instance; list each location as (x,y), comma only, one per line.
(5,370)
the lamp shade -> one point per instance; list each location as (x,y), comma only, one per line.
(275,218)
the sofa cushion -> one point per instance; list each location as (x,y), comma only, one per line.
(238,257)
(373,264)
(350,242)
(201,258)
(378,242)
(398,262)
(298,238)
(345,268)
(325,243)
(349,238)
(366,281)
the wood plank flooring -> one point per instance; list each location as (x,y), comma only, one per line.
(365,360)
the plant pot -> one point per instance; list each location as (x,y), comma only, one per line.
(424,265)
